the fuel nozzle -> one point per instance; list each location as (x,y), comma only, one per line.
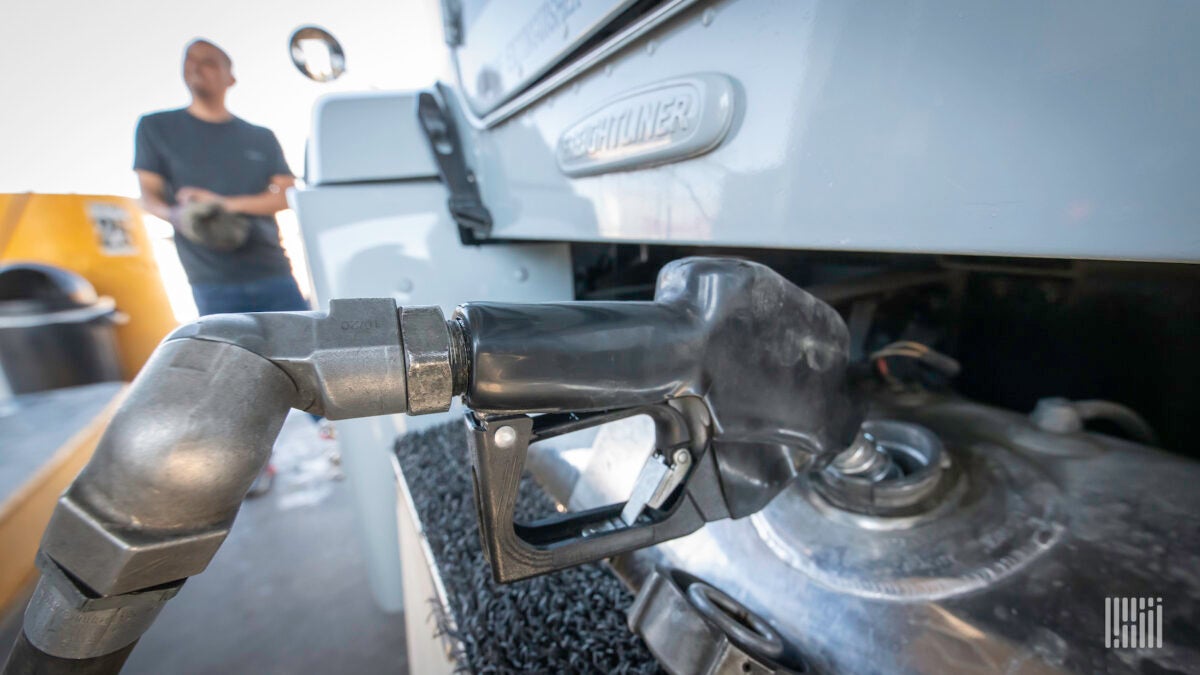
(742,371)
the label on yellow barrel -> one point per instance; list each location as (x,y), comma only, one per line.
(111,223)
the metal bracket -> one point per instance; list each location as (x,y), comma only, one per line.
(657,482)
(515,551)
(466,206)
(691,627)
(452,22)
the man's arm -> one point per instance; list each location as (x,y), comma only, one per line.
(265,203)
(154,194)
(274,198)
(151,170)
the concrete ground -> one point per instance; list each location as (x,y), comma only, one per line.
(287,593)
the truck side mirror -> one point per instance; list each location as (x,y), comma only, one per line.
(317,54)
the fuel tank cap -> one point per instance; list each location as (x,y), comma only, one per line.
(892,469)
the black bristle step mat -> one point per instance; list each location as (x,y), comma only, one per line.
(571,621)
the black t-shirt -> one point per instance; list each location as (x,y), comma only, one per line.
(228,158)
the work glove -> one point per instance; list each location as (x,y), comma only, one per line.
(210,225)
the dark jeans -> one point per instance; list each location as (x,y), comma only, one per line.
(273,294)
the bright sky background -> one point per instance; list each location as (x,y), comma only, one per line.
(77,75)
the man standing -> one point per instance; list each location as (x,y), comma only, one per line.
(219,180)
(201,165)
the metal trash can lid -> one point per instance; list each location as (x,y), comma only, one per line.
(32,294)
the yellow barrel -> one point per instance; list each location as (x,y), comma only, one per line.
(103,239)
